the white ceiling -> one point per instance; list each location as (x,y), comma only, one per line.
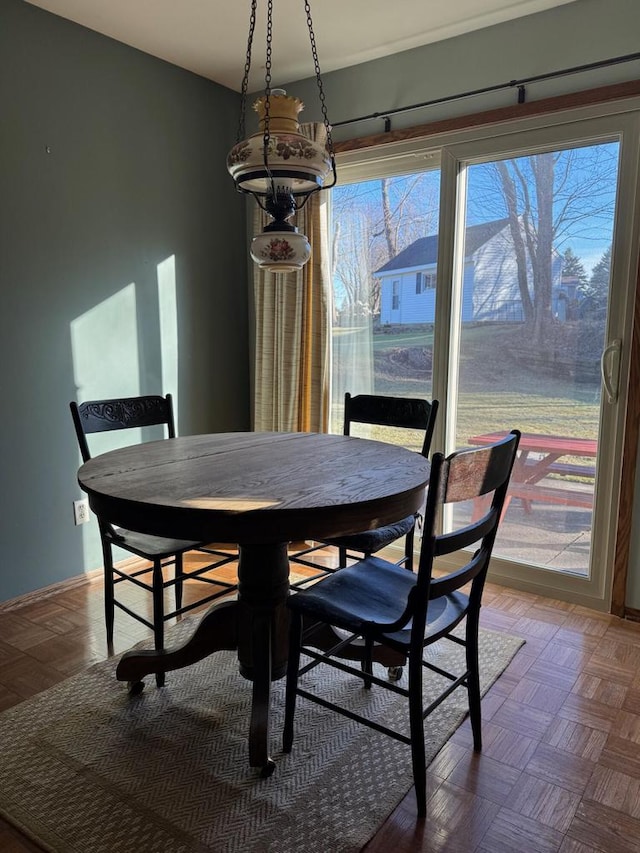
(209,37)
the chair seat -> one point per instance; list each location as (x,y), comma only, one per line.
(150,547)
(375,592)
(371,541)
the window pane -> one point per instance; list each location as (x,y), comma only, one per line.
(384,304)
(535,288)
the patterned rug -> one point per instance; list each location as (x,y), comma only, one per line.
(86,769)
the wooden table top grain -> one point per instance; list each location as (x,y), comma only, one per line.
(256,487)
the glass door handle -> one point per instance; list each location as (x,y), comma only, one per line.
(610,369)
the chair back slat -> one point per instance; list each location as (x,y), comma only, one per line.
(405,412)
(472,473)
(459,578)
(447,543)
(122,413)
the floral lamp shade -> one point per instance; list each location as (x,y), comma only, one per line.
(280,251)
(296,164)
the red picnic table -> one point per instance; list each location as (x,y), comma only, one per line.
(538,458)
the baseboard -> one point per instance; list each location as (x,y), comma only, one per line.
(129,564)
(632,614)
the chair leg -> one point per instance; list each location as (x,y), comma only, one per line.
(367,663)
(342,558)
(416,724)
(179,570)
(295,639)
(158,613)
(408,550)
(109,609)
(473,681)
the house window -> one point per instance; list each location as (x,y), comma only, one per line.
(395,296)
(425,281)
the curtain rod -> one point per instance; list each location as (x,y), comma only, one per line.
(520,84)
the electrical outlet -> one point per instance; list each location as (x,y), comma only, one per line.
(81,511)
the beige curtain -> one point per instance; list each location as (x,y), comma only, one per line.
(293,310)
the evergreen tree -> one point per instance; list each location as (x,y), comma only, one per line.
(599,281)
(572,265)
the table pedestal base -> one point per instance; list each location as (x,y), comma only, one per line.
(255,623)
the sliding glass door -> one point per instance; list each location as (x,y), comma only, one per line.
(536,309)
(499,279)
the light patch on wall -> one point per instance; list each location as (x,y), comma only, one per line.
(168,319)
(104,342)
(106,364)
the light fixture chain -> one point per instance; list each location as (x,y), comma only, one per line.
(267,92)
(247,69)
(316,63)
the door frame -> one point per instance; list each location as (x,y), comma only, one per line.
(562,132)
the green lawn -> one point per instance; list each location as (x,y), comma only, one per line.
(496,390)
(383,341)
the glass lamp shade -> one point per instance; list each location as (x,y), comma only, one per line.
(295,162)
(280,251)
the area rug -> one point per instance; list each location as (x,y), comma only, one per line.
(84,768)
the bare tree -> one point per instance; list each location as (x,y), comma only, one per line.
(511,200)
(373,221)
(390,233)
(549,199)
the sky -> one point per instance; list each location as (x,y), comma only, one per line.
(584,198)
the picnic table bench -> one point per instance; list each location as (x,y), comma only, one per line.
(538,459)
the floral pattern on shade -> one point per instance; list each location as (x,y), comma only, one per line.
(278,250)
(239,153)
(292,146)
(286,147)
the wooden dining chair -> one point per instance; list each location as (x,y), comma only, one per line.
(402,417)
(379,603)
(128,413)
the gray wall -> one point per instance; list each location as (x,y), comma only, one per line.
(122,266)
(577,33)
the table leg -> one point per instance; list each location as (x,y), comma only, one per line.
(531,473)
(218,629)
(263,587)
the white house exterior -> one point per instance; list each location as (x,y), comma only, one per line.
(490,281)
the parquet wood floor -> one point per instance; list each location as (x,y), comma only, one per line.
(560,766)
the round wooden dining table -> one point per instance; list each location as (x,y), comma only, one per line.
(261,491)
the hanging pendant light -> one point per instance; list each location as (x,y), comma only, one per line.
(280,166)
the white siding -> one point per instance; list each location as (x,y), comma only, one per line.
(414,307)
(496,277)
(467,293)
(496,293)
(490,287)
(419,307)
